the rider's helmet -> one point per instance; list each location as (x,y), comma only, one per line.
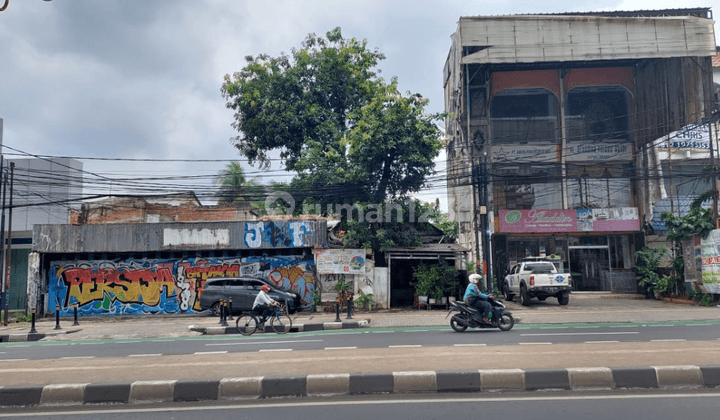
(475,278)
(265,288)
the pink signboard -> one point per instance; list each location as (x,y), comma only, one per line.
(581,220)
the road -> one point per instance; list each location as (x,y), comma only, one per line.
(362,339)
(548,405)
(357,351)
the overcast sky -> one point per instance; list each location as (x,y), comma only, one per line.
(138,79)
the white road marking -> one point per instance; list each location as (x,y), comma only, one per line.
(78,357)
(340,348)
(275,350)
(601,342)
(405,346)
(539,342)
(144,355)
(470,345)
(264,342)
(12,360)
(583,333)
(416,331)
(210,352)
(670,339)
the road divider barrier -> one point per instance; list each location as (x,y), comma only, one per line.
(477,381)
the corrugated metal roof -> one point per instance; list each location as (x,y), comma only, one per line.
(703,12)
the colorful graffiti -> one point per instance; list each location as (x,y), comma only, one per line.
(276,234)
(146,286)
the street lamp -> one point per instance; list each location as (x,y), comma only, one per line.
(4,6)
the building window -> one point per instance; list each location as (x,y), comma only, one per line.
(599,186)
(597,113)
(524,116)
(526,186)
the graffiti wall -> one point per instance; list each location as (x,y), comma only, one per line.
(162,286)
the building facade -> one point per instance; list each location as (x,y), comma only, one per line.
(552,129)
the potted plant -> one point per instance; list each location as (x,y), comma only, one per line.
(435,281)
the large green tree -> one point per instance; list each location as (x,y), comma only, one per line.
(348,134)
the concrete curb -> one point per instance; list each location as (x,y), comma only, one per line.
(300,327)
(575,379)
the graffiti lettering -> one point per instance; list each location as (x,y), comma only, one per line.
(276,234)
(88,285)
(138,286)
(205,273)
(253,234)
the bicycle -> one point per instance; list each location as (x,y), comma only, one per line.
(278,319)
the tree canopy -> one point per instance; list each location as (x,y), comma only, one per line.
(349,135)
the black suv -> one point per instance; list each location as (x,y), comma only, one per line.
(243,292)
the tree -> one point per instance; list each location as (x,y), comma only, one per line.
(233,186)
(348,135)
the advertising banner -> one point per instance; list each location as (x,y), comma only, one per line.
(711,261)
(579,220)
(340,261)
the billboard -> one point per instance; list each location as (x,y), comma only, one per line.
(577,220)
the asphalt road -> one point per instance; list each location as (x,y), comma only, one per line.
(359,339)
(550,405)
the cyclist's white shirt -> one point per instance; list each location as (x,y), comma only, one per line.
(262,299)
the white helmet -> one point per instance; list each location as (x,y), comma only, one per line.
(475,278)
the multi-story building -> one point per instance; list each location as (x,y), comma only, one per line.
(551,130)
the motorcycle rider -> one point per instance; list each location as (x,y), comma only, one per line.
(477,299)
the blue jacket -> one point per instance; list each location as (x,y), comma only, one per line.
(472,290)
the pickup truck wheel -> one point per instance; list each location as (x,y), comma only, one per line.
(524,296)
(563,298)
(506,291)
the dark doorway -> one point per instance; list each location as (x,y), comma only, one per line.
(402,290)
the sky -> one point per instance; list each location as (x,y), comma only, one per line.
(132,87)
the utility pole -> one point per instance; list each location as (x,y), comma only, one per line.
(2,235)
(713,178)
(8,260)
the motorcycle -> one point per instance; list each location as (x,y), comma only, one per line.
(471,317)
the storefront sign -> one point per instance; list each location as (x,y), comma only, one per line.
(340,261)
(587,152)
(534,154)
(689,137)
(711,262)
(580,220)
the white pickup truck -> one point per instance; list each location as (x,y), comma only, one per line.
(537,278)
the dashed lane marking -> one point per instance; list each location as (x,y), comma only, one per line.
(340,348)
(405,346)
(275,350)
(539,342)
(601,342)
(470,345)
(77,357)
(583,333)
(669,339)
(144,355)
(210,352)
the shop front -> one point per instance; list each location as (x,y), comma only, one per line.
(595,245)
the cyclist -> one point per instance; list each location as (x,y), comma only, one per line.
(263,302)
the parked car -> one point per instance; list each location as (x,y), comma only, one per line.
(537,278)
(243,292)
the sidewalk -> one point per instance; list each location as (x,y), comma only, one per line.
(583,308)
